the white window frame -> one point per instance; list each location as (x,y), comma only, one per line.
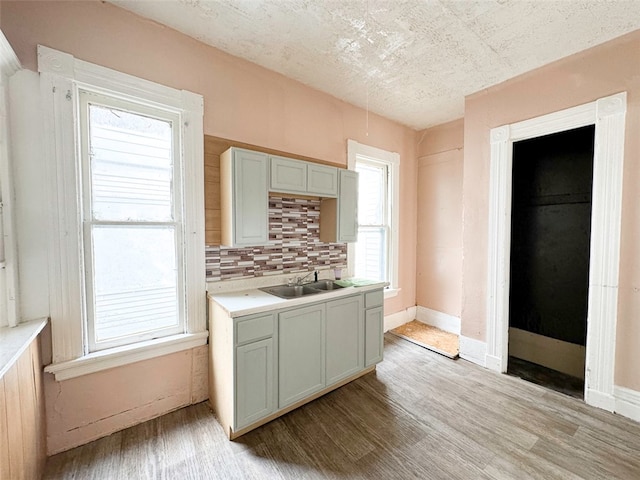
(61,78)
(358,151)
(87,97)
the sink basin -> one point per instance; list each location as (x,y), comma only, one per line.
(324,285)
(296,291)
(286,291)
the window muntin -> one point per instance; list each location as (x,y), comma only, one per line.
(132,230)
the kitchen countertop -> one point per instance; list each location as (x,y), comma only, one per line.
(250,301)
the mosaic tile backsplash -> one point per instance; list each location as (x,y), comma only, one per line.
(295,246)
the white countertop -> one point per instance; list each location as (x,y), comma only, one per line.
(250,301)
(14,341)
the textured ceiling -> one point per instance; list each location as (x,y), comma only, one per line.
(412,61)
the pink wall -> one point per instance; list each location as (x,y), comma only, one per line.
(86,408)
(243,102)
(604,70)
(439,235)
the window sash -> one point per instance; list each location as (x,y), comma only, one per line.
(138,311)
(384,265)
(381,265)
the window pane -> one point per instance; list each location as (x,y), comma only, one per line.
(131,166)
(371,249)
(371,194)
(135,280)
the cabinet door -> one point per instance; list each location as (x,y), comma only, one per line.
(345,338)
(322,180)
(348,207)
(254,382)
(288,175)
(250,198)
(373,332)
(301,353)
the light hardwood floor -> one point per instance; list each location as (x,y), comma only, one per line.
(420,415)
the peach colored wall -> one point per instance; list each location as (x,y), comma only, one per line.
(243,102)
(439,234)
(85,408)
(604,70)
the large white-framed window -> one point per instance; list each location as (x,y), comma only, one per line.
(126,256)
(132,237)
(375,254)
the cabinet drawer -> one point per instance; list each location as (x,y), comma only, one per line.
(254,328)
(373,299)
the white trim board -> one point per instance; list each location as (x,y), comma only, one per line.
(9,272)
(394,320)
(474,351)
(9,62)
(608,115)
(443,321)
(627,402)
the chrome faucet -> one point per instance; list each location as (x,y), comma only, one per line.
(299,280)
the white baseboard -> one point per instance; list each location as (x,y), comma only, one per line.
(440,320)
(494,363)
(600,400)
(627,402)
(561,356)
(473,350)
(394,320)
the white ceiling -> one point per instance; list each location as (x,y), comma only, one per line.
(412,61)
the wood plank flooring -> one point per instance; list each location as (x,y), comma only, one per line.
(420,415)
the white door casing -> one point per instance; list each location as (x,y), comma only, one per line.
(608,116)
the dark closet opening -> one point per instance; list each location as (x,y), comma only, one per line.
(550,243)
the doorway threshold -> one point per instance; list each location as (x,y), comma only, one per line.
(546,377)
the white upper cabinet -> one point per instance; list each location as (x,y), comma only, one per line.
(247,177)
(300,177)
(339,216)
(288,175)
(322,180)
(348,207)
(244,197)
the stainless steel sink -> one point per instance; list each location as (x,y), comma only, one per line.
(297,291)
(324,285)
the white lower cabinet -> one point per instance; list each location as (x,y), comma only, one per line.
(265,364)
(374,341)
(254,382)
(301,353)
(373,327)
(345,342)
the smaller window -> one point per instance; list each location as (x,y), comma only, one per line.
(374,221)
(375,254)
